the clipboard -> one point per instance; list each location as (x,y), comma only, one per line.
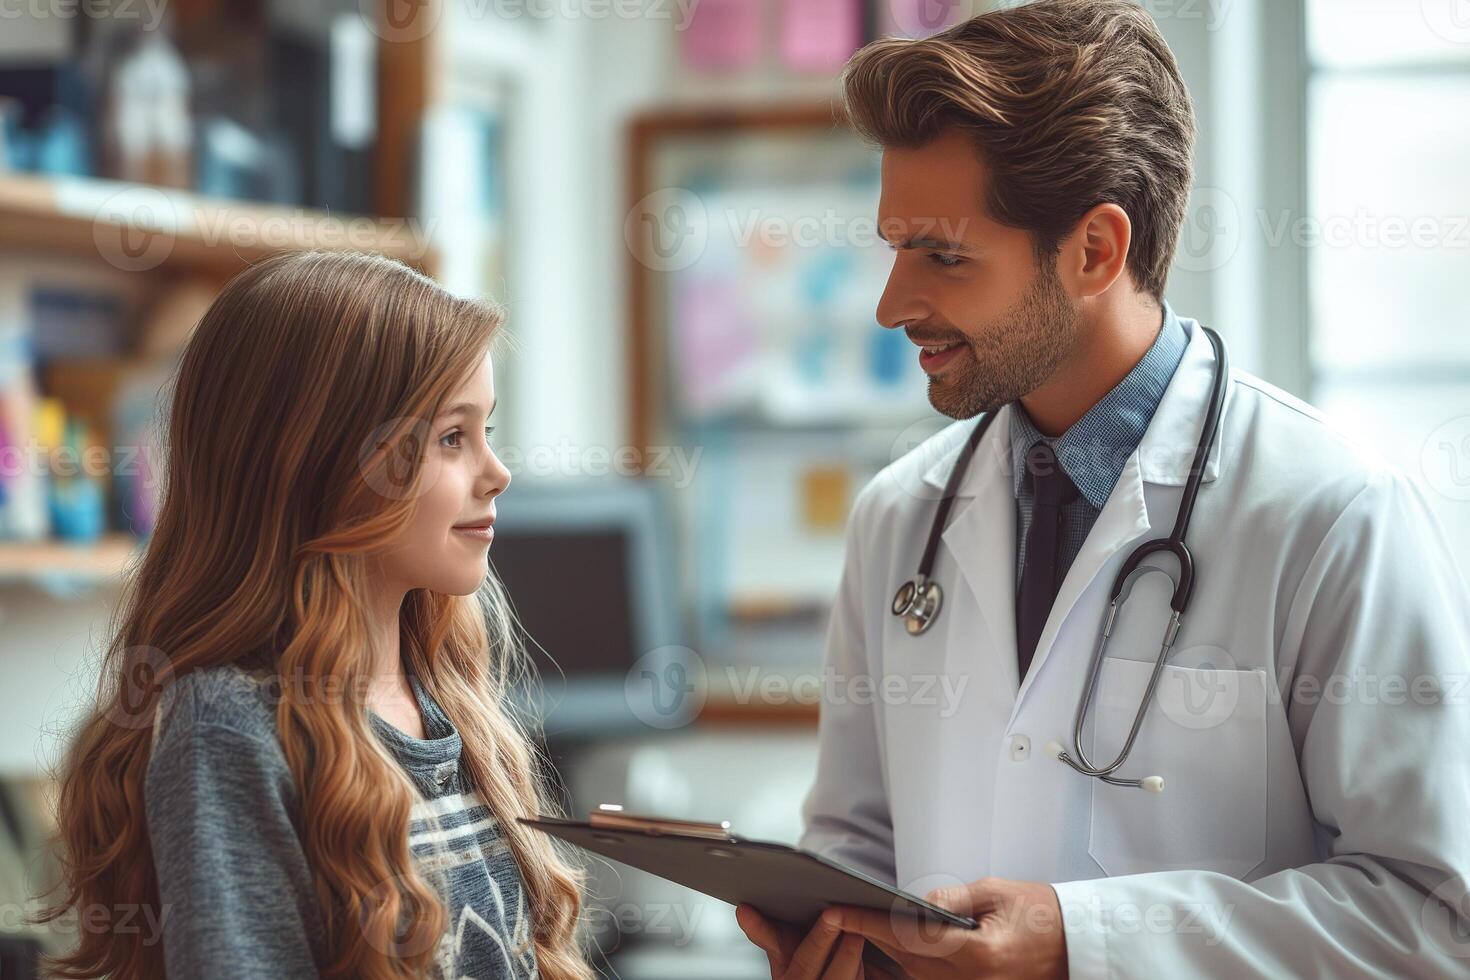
(782,882)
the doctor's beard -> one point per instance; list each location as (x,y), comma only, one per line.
(1013,355)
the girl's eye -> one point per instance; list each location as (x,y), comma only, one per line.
(945,259)
(456,434)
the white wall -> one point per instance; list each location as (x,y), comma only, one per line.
(49,648)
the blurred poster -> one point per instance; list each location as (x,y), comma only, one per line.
(723,35)
(771,319)
(820,35)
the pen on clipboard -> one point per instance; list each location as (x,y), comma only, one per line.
(612,816)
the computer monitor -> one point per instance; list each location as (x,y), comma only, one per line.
(589,568)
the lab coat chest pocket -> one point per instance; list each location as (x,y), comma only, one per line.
(1205,734)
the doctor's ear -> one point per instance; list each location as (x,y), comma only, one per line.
(1096,253)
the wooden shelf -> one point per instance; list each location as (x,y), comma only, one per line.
(139,228)
(731,712)
(759,609)
(31,561)
(724,705)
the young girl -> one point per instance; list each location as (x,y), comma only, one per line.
(303,759)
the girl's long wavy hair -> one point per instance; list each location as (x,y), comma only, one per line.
(295,435)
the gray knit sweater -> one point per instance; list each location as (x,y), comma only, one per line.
(224,820)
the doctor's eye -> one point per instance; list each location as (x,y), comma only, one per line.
(945,259)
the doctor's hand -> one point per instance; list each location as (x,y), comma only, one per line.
(820,953)
(1020,934)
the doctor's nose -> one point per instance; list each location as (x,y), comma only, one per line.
(900,304)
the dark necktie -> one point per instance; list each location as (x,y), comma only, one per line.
(1042,564)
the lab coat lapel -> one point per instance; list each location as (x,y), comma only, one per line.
(980,542)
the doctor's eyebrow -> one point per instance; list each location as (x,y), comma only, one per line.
(941,244)
(463,407)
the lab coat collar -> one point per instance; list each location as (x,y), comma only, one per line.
(1166,450)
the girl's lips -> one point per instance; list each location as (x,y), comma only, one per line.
(483,533)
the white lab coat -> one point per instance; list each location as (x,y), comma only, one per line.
(1317,788)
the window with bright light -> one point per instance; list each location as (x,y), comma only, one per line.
(1388,235)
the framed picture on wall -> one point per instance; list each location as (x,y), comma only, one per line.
(755,267)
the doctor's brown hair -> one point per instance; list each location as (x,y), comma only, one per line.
(1069,103)
(294,454)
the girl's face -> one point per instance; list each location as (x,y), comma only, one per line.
(462,478)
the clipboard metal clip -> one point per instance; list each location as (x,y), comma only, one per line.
(611,816)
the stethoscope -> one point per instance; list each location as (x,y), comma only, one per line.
(919,600)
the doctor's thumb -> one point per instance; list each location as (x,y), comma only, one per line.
(955,898)
(970,899)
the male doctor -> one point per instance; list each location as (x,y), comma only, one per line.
(1310,729)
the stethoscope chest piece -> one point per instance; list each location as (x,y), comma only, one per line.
(918,602)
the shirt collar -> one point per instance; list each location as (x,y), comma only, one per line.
(1094,450)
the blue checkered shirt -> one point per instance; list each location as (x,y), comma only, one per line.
(1094,450)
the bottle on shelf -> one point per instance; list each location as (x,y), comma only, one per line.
(149,134)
